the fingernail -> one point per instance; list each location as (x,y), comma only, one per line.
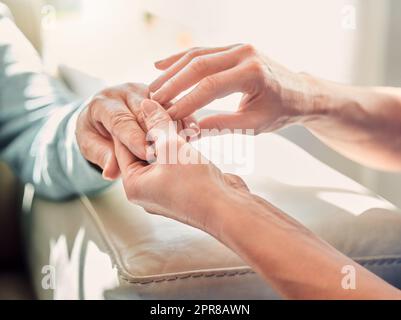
(150,153)
(107,158)
(194,126)
(149,107)
(159,61)
(105,177)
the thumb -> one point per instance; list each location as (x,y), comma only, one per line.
(158,123)
(160,129)
(155,116)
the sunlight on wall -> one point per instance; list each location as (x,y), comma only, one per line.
(115,40)
(304,35)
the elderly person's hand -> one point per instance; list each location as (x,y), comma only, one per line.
(272,95)
(113,114)
(180,183)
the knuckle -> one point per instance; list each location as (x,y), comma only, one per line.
(248,49)
(194,52)
(198,64)
(209,83)
(119,120)
(130,86)
(156,120)
(121,89)
(136,87)
(239,180)
(255,67)
(108,92)
(126,88)
(236,181)
(95,104)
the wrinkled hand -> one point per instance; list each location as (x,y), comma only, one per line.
(114,114)
(272,95)
(180,183)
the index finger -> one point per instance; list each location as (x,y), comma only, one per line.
(209,89)
(177,62)
(167,62)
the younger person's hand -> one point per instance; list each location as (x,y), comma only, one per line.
(272,95)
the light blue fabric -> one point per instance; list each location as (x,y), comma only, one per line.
(37,123)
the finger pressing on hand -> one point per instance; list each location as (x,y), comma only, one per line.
(180,78)
(209,89)
(161,129)
(190,53)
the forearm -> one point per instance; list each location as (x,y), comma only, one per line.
(364,124)
(298,264)
(37,123)
(44,153)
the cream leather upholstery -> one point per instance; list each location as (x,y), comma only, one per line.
(104,247)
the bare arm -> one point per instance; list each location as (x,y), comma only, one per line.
(292,259)
(364,124)
(297,263)
(361,123)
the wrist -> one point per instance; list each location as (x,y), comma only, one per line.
(325,101)
(303,98)
(239,212)
(314,98)
(224,211)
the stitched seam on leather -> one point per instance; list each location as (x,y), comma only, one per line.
(368,261)
(362,261)
(193,276)
(126,275)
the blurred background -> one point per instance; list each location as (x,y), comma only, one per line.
(90,43)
